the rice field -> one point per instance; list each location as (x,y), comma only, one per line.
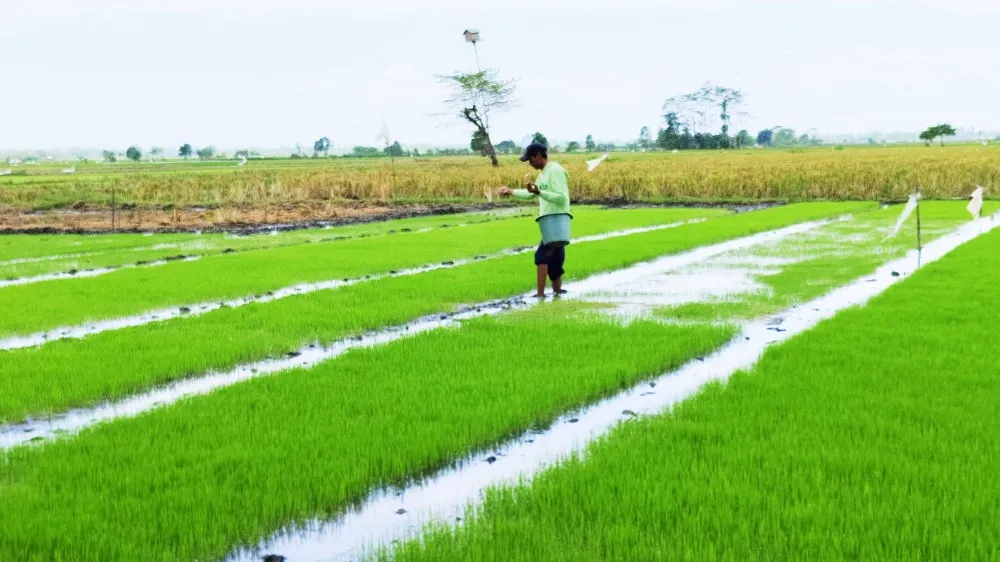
(389,390)
(826,173)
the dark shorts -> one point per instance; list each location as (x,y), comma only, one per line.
(554,258)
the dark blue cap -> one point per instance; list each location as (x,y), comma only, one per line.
(534,149)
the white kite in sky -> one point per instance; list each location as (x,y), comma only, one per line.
(911,206)
(976,205)
(592,164)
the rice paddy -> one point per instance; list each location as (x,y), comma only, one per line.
(819,173)
(375,358)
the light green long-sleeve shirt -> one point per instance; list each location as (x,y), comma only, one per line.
(553,188)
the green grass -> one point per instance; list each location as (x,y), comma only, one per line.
(35,307)
(197,479)
(111,365)
(873,436)
(95,251)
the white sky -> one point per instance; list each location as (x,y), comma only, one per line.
(110,73)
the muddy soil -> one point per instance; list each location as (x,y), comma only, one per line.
(84,220)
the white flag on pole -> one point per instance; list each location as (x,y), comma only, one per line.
(592,164)
(911,206)
(976,205)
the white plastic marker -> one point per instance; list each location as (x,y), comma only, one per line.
(592,164)
(976,205)
(911,206)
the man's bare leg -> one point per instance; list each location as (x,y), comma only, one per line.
(557,285)
(543,272)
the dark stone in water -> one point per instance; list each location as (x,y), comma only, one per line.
(895,274)
(270,293)
(184,310)
(229,251)
(72,272)
(574,420)
(448,263)
(480,257)
(702,359)
(294,354)
(274,558)
(347,280)
(652,385)
(393,272)
(29,430)
(400,511)
(141,263)
(444,317)
(629,413)
(491,460)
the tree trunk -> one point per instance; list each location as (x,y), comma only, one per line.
(491,151)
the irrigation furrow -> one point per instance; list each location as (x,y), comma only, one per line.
(161,315)
(41,429)
(89,272)
(390,515)
(19,261)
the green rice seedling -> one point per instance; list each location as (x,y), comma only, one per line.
(108,366)
(40,306)
(871,437)
(202,477)
(18,246)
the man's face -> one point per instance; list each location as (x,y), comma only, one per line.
(537,162)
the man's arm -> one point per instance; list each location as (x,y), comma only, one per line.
(557,189)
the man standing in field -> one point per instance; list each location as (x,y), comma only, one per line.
(552,188)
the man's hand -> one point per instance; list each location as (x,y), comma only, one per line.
(505,191)
(531,187)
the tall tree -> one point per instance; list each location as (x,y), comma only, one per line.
(109,156)
(507,147)
(938,131)
(573,146)
(540,139)
(156,152)
(476,97)
(322,145)
(644,139)
(785,137)
(743,139)
(134,153)
(765,137)
(590,144)
(206,153)
(395,150)
(185,151)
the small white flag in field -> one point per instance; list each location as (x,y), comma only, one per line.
(911,206)
(976,205)
(592,164)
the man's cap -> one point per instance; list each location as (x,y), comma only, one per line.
(533,149)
